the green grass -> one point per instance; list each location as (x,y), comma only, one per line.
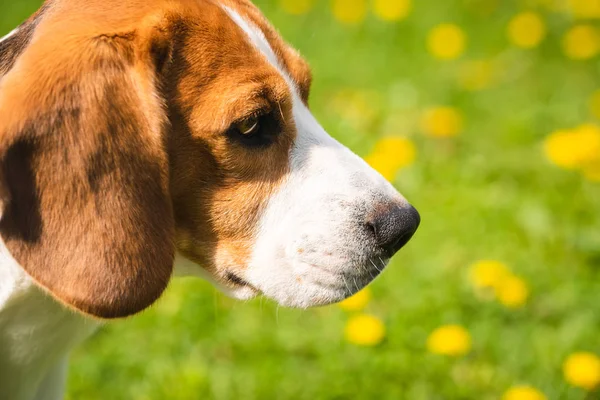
(488,193)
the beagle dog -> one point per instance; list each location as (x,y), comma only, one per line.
(141,139)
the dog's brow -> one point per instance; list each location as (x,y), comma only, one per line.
(258,40)
(258,100)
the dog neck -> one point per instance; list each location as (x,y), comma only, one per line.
(36,332)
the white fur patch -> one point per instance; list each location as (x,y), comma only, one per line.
(36,335)
(311,247)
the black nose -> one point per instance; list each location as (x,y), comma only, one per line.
(393,226)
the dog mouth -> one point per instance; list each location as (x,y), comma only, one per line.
(316,285)
(238,282)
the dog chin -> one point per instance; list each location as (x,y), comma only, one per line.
(290,294)
(302,291)
(238,293)
(311,287)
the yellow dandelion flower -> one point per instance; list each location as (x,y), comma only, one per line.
(588,136)
(349,11)
(442,122)
(365,330)
(358,302)
(512,292)
(390,155)
(296,7)
(446,42)
(595,104)
(574,149)
(558,148)
(585,9)
(582,370)
(449,340)
(488,274)
(476,75)
(523,393)
(581,42)
(392,10)
(526,30)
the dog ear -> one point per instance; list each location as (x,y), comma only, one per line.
(84,178)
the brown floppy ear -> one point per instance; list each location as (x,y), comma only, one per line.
(84,173)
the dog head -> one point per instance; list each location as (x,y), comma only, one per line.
(134,131)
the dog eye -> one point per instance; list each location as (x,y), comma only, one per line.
(255,131)
(248,126)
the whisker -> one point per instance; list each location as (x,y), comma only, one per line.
(346,283)
(356,284)
(380,267)
(382,263)
(281,111)
(374,266)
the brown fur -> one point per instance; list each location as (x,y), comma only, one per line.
(114,152)
(13,47)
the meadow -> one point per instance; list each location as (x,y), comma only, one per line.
(486,116)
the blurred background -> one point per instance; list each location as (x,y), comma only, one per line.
(485,114)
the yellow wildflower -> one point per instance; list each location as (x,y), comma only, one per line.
(581,42)
(390,155)
(558,148)
(523,393)
(476,75)
(595,104)
(365,330)
(574,149)
(296,7)
(392,10)
(358,302)
(582,370)
(526,30)
(449,340)
(349,11)
(512,292)
(488,274)
(585,9)
(442,122)
(588,135)
(446,42)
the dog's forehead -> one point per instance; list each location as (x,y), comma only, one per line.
(256,29)
(95,17)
